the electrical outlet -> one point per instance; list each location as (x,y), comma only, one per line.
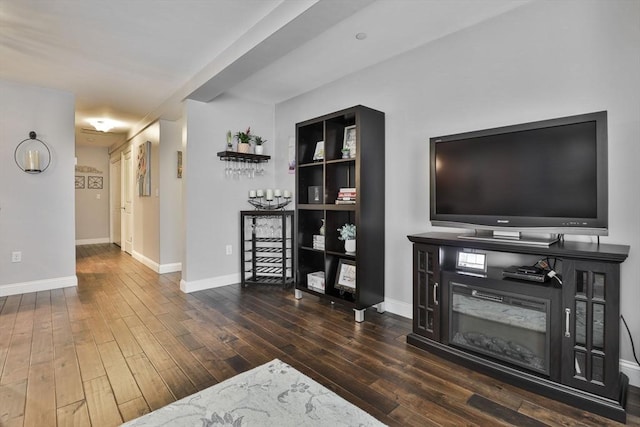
(229,249)
(16,256)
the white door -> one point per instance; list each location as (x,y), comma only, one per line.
(127,197)
(115,175)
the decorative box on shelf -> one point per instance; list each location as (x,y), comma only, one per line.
(315,194)
(318,242)
(315,281)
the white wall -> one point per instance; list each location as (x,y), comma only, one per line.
(171,240)
(92,205)
(543,60)
(212,203)
(146,209)
(36,211)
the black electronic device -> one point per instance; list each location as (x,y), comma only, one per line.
(528,273)
(548,176)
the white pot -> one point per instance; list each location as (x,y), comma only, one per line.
(350,246)
(258,149)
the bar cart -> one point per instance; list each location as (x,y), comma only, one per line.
(266,247)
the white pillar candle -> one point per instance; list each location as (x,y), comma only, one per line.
(252,194)
(287,194)
(277,192)
(259,193)
(269,195)
(32,160)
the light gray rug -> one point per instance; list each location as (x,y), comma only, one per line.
(274,394)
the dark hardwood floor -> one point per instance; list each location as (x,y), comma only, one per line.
(127,341)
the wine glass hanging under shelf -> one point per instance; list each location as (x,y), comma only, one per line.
(237,165)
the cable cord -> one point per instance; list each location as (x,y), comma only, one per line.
(633,347)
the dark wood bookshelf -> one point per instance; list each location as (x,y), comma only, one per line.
(365,172)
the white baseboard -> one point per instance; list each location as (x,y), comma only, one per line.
(210,283)
(146,261)
(38,285)
(99,240)
(632,370)
(170,268)
(158,268)
(399,307)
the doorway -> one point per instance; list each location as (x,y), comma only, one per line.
(116,201)
(126,194)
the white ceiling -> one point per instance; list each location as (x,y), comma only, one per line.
(136,60)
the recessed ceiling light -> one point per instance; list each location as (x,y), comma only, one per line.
(361,36)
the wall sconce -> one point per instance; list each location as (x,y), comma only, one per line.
(32,155)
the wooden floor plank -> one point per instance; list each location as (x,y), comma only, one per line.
(67,376)
(153,388)
(101,403)
(126,341)
(122,382)
(12,401)
(40,409)
(74,415)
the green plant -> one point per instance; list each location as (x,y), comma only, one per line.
(347,232)
(244,137)
(258,140)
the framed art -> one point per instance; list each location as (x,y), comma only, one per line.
(79,182)
(143,171)
(349,142)
(94,182)
(179,175)
(346,276)
(318,154)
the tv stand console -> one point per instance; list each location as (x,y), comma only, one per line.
(559,338)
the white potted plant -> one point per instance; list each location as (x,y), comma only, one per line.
(348,234)
(259,141)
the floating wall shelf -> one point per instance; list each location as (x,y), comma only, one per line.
(234,156)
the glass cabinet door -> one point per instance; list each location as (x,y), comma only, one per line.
(590,313)
(426,316)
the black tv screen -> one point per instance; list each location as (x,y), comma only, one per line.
(546,176)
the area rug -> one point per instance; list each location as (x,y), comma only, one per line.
(274,394)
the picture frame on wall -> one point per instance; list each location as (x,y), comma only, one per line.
(179,172)
(144,169)
(79,182)
(346,276)
(94,182)
(349,142)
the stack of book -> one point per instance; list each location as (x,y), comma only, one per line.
(346,196)
(318,242)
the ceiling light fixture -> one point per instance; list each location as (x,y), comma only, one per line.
(361,36)
(103,125)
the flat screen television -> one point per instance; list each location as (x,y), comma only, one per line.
(543,178)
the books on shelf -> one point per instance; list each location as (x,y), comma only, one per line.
(346,196)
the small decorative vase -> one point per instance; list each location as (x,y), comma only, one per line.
(322,228)
(345,154)
(350,246)
(243,148)
(259,149)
